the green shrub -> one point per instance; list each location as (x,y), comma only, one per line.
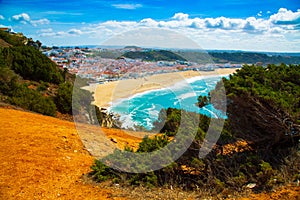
(149,144)
(101,172)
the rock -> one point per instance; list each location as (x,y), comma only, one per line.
(113,140)
(251,185)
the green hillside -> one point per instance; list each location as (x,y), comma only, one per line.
(253,58)
(238,57)
(154,55)
(30,80)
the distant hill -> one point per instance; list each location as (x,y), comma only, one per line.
(154,55)
(240,57)
(252,58)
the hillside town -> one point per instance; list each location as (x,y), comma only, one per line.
(88,63)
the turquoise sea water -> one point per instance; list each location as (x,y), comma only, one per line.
(143,109)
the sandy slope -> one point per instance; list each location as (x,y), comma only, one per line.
(43,158)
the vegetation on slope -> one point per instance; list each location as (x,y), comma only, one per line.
(30,80)
(238,57)
(258,145)
(252,58)
(31,64)
(154,55)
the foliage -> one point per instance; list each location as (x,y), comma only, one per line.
(203,101)
(277,83)
(249,57)
(20,95)
(28,61)
(24,62)
(63,98)
(152,144)
(31,64)
(11,39)
(203,57)
(154,55)
(171,119)
(32,100)
(101,172)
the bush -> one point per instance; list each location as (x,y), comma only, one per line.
(101,172)
(149,144)
(22,96)
(63,98)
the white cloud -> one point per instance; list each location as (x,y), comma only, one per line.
(127,6)
(23,17)
(51,33)
(285,16)
(75,31)
(39,22)
(259,14)
(180,16)
(2,17)
(148,22)
(47,30)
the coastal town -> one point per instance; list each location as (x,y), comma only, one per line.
(98,64)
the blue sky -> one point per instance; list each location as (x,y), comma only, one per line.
(261,25)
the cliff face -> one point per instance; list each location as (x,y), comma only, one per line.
(106,119)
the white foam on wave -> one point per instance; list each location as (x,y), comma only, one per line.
(122,100)
(198,78)
(127,121)
(211,112)
(153,112)
(187,95)
(149,124)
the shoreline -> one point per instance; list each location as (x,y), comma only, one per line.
(106,94)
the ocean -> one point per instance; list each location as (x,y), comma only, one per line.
(143,109)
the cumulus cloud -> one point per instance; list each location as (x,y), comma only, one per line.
(23,17)
(75,31)
(127,6)
(285,16)
(51,33)
(180,16)
(148,22)
(2,17)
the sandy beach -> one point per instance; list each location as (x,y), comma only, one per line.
(112,91)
